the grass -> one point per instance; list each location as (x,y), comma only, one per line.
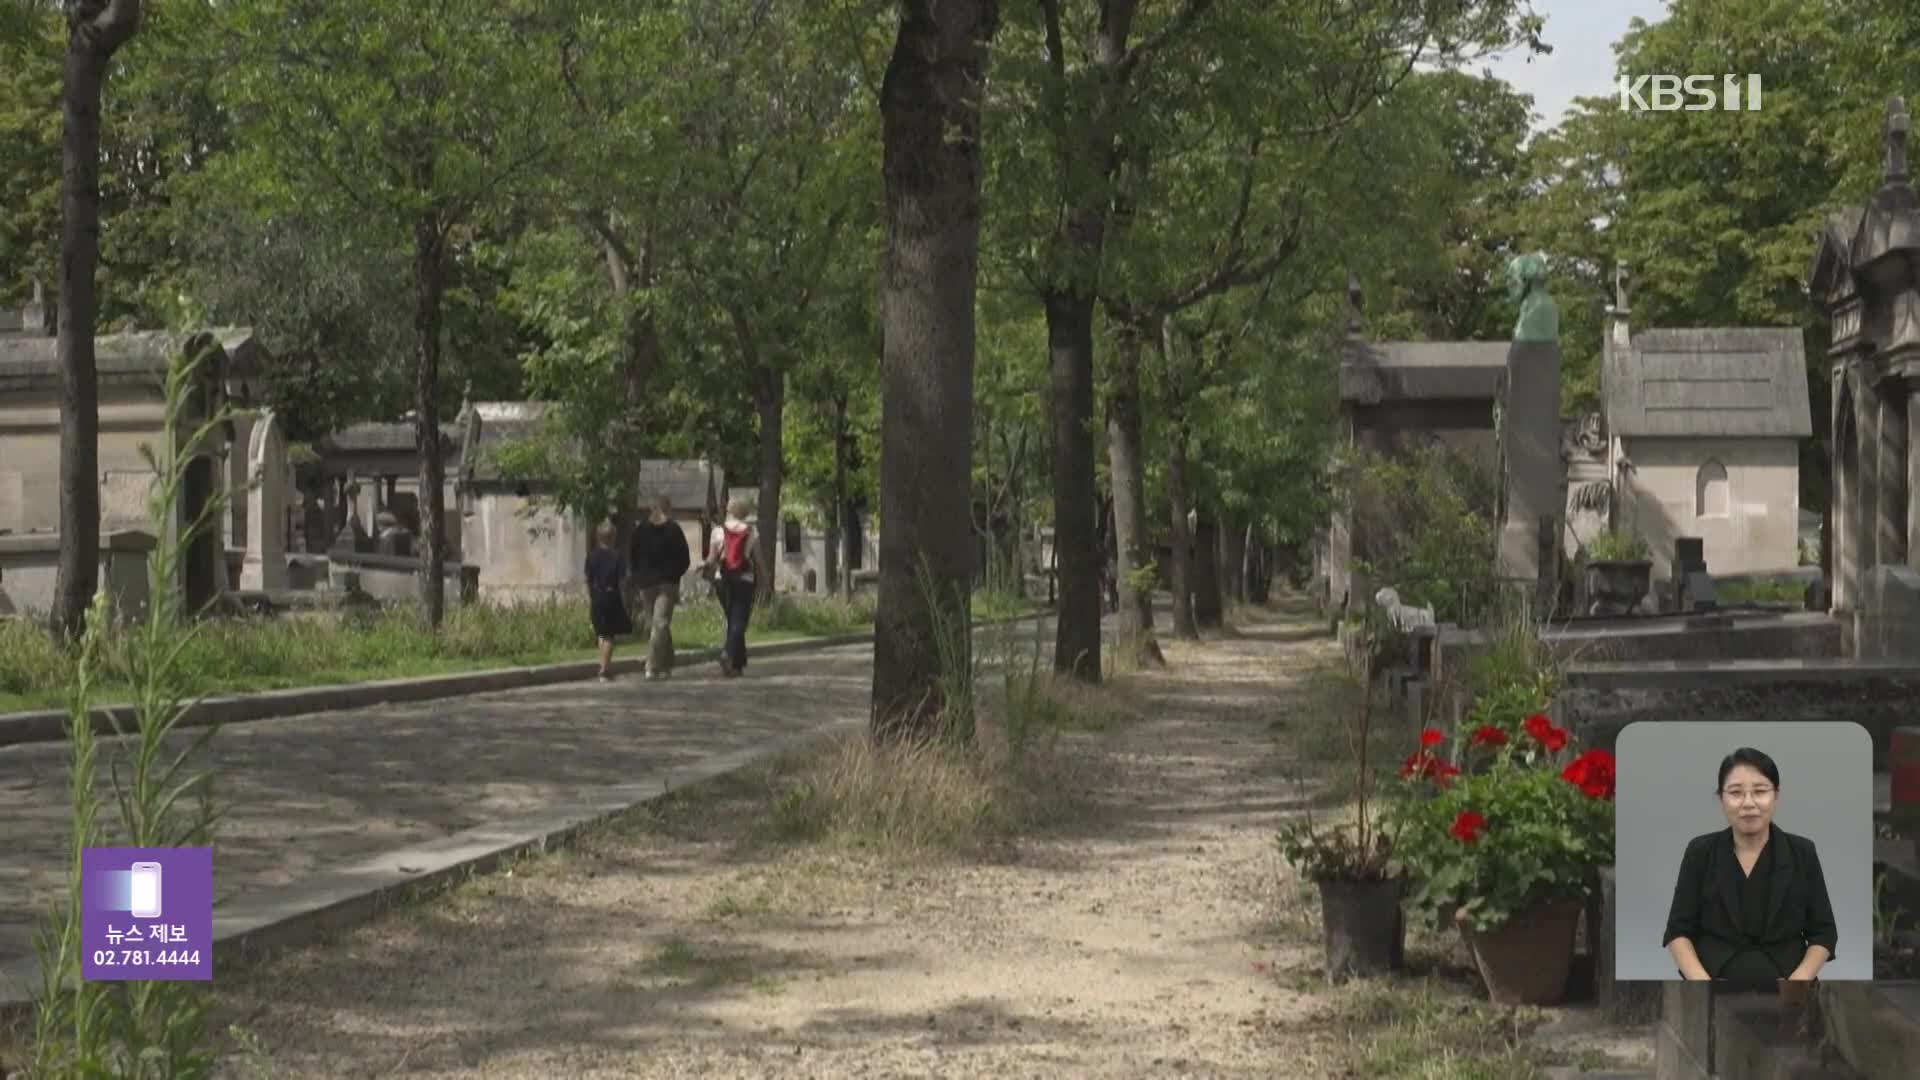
(1761,591)
(243,654)
(914,800)
(684,963)
(1428,1031)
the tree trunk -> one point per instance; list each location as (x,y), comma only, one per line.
(429,287)
(1128,471)
(1207,607)
(1250,545)
(628,270)
(931,163)
(1181,572)
(770,402)
(837,502)
(1076,541)
(92,39)
(1233,560)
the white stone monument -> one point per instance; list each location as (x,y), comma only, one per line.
(265,564)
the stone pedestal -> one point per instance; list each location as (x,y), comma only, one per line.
(1530,447)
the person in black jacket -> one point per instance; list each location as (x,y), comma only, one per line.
(606,602)
(660,559)
(1750,904)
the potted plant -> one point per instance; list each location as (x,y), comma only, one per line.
(1507,853)
(1619,572)
(1360,895)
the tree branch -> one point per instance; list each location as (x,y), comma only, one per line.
(104,25)
(1142,54)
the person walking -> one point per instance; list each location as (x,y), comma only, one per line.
(660,559)
(733,557)
(606,606)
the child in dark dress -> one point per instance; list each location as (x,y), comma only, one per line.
(605,604)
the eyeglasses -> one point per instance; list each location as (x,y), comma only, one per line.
(1738,795)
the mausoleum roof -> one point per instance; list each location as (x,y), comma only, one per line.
(684,482)
(31,360)
(1375,371)
(380,438)
(1744,382)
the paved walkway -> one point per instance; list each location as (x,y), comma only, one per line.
(311,792)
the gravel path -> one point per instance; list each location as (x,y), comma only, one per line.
(1136,937)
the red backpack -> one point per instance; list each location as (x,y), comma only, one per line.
(734,554)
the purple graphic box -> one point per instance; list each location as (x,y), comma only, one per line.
(146,913)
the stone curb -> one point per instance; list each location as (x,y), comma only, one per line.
(50,725)
(348,896)
(1710,674)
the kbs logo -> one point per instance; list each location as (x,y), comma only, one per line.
(1694,93)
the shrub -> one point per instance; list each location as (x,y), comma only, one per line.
(1423,522)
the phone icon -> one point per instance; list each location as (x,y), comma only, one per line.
(146,890)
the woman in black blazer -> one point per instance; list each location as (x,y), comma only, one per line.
(1750,905)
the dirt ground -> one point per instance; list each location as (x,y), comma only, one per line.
(1153,931)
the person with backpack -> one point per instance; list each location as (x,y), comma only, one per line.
(660,559)
(733,556)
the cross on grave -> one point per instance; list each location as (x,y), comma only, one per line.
(1898,124)
(1355,300)
(1620,288)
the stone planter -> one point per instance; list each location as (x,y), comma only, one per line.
(1366,932)
(1617,588)
(1527,960)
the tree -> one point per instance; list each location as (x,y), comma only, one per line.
(416,121)
(96,29)
(1088,98)
(776,164)
(930,118)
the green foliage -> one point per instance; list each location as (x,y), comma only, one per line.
(1516,677)
(1422,523)
(148,1029)
(1617,545)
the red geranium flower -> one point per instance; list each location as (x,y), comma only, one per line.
(1488,735)
(1543,732)
(1468,826)
(1591,772)
(1432,737)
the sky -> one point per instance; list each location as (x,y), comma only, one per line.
(1582,33)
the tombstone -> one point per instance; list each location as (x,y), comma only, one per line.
(265,565)
(393,538)
(1689,553)
(353,535)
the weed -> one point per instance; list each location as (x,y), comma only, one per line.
(141,1029)
(1425,1030)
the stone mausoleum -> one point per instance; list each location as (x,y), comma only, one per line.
(1866,279)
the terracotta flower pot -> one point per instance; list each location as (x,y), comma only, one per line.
(1365,931)
(1526,961)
